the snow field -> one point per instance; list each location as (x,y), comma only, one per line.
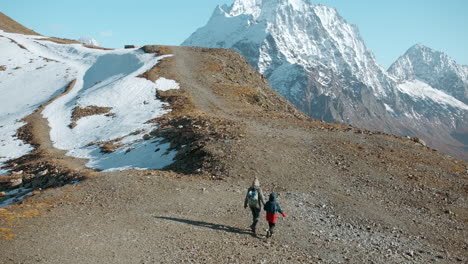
(103,79)
(423,91)
(28,81)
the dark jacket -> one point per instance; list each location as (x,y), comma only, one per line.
(273,208)
(261,199)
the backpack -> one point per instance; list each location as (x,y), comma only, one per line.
(252,198)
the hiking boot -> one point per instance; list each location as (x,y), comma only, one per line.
(254,230)
(268,234)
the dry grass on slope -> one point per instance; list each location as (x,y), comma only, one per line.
(9,25)
(72,41)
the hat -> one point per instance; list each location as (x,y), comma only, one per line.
(256,182)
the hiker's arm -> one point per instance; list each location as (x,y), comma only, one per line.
(245,200)
(261,197)
(280,210)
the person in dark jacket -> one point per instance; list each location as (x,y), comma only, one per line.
(272,208)
(255,200)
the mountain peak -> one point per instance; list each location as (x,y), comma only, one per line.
(419,57)
(258,3)
(290,32)
(245,7)
(421,48)
(257,7)
(434,68)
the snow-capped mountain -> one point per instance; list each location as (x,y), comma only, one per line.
(89,41)
(434,68)
(319,62)
(308,52)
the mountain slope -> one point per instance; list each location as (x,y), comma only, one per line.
(355,195)
(9,25)
(433,82)
(319,62)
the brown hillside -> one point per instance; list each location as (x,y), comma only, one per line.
(351,195)
(9,25)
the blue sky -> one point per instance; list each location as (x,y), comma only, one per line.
(388,28)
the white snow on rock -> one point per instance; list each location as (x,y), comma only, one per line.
(389,108)
(89,41)
(163,84)
(15,195)
(139,155)
(103,78)
(3,171)
(423,91)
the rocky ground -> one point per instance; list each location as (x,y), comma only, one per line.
(351,195)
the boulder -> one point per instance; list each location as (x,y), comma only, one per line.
(16,182)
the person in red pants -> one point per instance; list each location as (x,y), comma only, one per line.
(272,208)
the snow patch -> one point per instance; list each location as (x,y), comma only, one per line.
(89,41)
(18,195)
(423,91)
(149,154)
(389,108)
(163,84)
(3,171)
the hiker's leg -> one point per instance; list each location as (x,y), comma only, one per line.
(254,214)
(253,218)
(256,217)
(269,229)
(272,228)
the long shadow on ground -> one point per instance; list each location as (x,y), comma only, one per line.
(224,228)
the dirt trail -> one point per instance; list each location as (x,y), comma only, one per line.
(46,166)
(39,133)
(351,195)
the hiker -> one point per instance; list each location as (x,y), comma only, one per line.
(272,208)
(254,199)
